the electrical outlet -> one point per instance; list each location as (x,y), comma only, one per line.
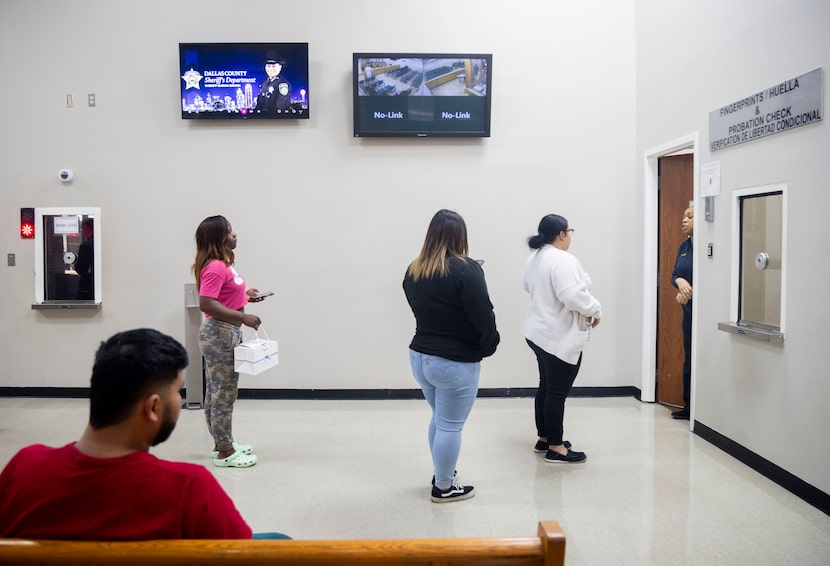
(10,260)
(90,100)
(69,102)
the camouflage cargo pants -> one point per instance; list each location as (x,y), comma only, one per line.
(217,340)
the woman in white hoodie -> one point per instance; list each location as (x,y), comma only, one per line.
(559,320)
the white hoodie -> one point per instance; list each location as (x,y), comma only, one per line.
(560,303)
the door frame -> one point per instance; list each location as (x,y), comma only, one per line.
(650,236)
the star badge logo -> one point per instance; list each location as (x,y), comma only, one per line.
(283,88)
(191,79)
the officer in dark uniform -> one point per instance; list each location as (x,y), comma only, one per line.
(275,91)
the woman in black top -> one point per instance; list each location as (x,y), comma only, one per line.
(455,329)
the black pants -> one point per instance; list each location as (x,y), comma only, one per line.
(555,381)
(687,350)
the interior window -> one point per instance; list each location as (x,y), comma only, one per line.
(759,298)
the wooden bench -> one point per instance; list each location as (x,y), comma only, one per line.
(548,549)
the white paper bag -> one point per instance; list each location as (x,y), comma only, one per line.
(255,355)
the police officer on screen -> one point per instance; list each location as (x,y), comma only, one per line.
(274,92)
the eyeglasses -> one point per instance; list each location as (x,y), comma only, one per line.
(568,230)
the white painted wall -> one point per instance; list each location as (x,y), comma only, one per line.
(566,138)
(332,243)
(693,58)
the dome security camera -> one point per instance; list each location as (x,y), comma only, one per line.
(65,175)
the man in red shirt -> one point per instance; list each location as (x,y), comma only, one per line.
(107,485)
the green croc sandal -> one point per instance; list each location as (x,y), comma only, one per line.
(235,460)
(244,448)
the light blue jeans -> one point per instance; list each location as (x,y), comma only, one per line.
(450,389)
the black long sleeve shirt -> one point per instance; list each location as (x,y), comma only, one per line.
(453,315)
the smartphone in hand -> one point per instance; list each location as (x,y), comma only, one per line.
(262,295)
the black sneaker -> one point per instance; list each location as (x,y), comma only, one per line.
(454,475)
(454,493)
(681,414)
(542,446)
(572,457)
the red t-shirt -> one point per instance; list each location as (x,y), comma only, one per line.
(62,494)
(222,282)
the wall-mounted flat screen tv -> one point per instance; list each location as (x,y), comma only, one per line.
(422,94)
(239,81)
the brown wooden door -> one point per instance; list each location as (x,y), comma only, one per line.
(676,190)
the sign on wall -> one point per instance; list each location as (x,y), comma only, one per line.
(66,225)
(790,104)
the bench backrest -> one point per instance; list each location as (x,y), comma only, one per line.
(548,549)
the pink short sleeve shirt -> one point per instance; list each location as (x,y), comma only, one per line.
(223,283)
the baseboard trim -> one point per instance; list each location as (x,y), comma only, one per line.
(335,394)
(48,392)
(795,485)
(370,394)
(330,394)
(619,391)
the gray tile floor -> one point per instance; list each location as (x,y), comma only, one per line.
(651,492)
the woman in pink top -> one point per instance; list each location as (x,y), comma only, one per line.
(222,297)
